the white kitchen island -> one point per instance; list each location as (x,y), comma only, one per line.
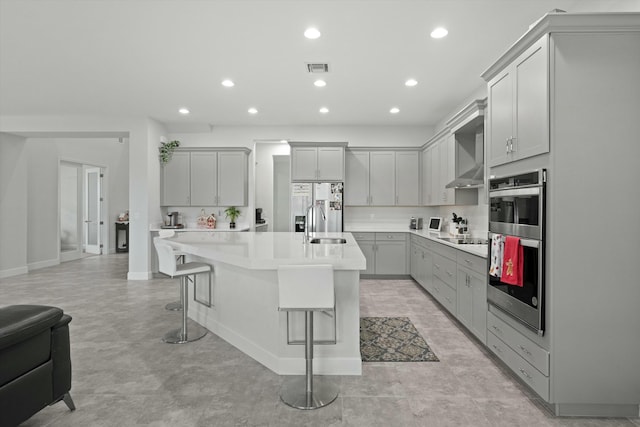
(245,297)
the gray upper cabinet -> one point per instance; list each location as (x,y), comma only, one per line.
(206,178)
(382,178)
(518,107)
(175,181)
(232,178)
(317,163)
(356,178)
(407,178)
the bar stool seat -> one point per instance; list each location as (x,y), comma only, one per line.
(167,264)
(307,288)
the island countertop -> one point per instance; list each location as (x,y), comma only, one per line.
(266,251)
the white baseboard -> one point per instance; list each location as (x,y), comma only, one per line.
(139,275)
(42,264)
(10,272)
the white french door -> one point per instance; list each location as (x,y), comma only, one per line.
(92,210)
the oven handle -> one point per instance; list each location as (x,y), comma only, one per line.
(530,243)
(530,191)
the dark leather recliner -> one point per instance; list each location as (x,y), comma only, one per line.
(35,361)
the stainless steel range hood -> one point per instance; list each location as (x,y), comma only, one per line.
(469,138)
(473,178)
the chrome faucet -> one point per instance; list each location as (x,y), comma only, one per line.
(307,227)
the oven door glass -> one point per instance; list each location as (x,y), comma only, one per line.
(528,293)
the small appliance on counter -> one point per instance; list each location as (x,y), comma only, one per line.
(458,226)
(259,219)
(415,223)
(173,221)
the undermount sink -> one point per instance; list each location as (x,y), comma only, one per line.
(463,241)
(328,240)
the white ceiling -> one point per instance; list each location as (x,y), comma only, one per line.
(150,57)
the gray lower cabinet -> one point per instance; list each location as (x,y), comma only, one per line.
(472,294)
(386,253)
(455,278)
(526,359)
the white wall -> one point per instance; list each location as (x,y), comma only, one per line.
(264,153)
(44,155)
(13,205)
(144,139)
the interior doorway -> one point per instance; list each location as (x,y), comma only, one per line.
(81,210)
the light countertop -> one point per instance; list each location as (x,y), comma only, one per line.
(479,250)
(266,251)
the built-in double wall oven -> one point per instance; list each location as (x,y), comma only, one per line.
(517,209)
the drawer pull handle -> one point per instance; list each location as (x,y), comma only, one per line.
(437,289)
(437,266)
(467,261)
(498,349)
(449,273)
(448,299)
(496,329)
(526,374)
(524,350)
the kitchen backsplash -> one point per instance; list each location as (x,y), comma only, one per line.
(477,216)
(189,215)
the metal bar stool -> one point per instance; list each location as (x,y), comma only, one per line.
(168,265)
(307,288)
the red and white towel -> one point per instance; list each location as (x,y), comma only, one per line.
(512,262)
(497,246)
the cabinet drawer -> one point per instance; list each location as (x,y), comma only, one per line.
(364,236)
(530,375)
(472,262)
(381,237)
(445,295)
(445,269)
(445,251)
(523,346)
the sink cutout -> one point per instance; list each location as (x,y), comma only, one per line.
(328,240)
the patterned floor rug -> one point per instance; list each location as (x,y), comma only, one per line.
(392,339)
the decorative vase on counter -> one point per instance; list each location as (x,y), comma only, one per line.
(232,225)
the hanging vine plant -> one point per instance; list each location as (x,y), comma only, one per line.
(166,151)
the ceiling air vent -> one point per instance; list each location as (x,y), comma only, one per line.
(314,67)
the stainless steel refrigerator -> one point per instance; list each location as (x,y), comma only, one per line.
(327,199)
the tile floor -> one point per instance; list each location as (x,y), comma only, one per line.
(123,375)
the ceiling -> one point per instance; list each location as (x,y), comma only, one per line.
(148,58)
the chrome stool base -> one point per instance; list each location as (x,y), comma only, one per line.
(295,393)
(176,336)
(174,306)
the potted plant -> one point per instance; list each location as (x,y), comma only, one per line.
(166,151)
(232,213)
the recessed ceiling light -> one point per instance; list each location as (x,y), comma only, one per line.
(320,83)
(228,83)
(394,110)
(252,110)
(183,111)
(324,110)
(439,33)
(312,33)
(411,82)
